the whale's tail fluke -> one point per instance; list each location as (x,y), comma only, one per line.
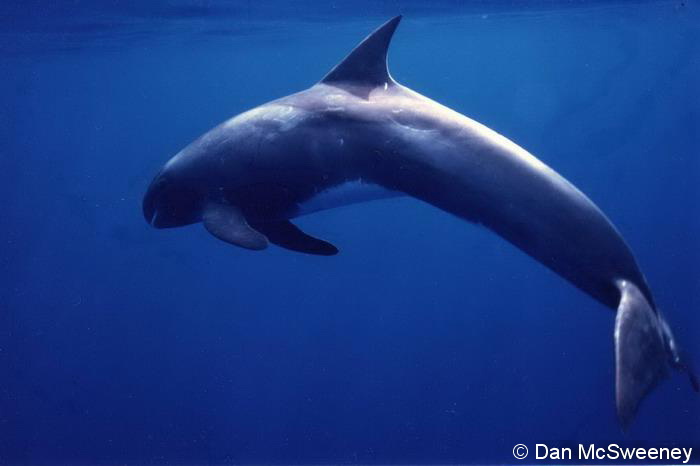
(692,376)
(676,359)
(640,351)
(644,349)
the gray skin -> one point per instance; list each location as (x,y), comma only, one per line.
(274,158)
(256,171)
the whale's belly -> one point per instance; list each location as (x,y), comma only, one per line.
(346,193)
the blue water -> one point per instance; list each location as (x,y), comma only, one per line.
(427,340)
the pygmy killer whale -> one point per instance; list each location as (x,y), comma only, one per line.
(359,135)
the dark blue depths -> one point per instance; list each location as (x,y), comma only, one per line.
(427,339)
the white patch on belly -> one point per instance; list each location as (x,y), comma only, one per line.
(350,192)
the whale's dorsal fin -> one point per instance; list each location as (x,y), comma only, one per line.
(366,64)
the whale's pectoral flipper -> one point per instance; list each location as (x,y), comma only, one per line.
(640,350)
(287,235)
(227,223)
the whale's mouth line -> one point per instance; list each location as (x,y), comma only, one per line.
(154,219)
(149,210)
(159,221)
(152,199)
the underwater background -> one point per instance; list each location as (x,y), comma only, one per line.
(427,339)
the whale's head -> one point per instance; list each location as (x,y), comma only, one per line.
(172,199)
(214,168)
